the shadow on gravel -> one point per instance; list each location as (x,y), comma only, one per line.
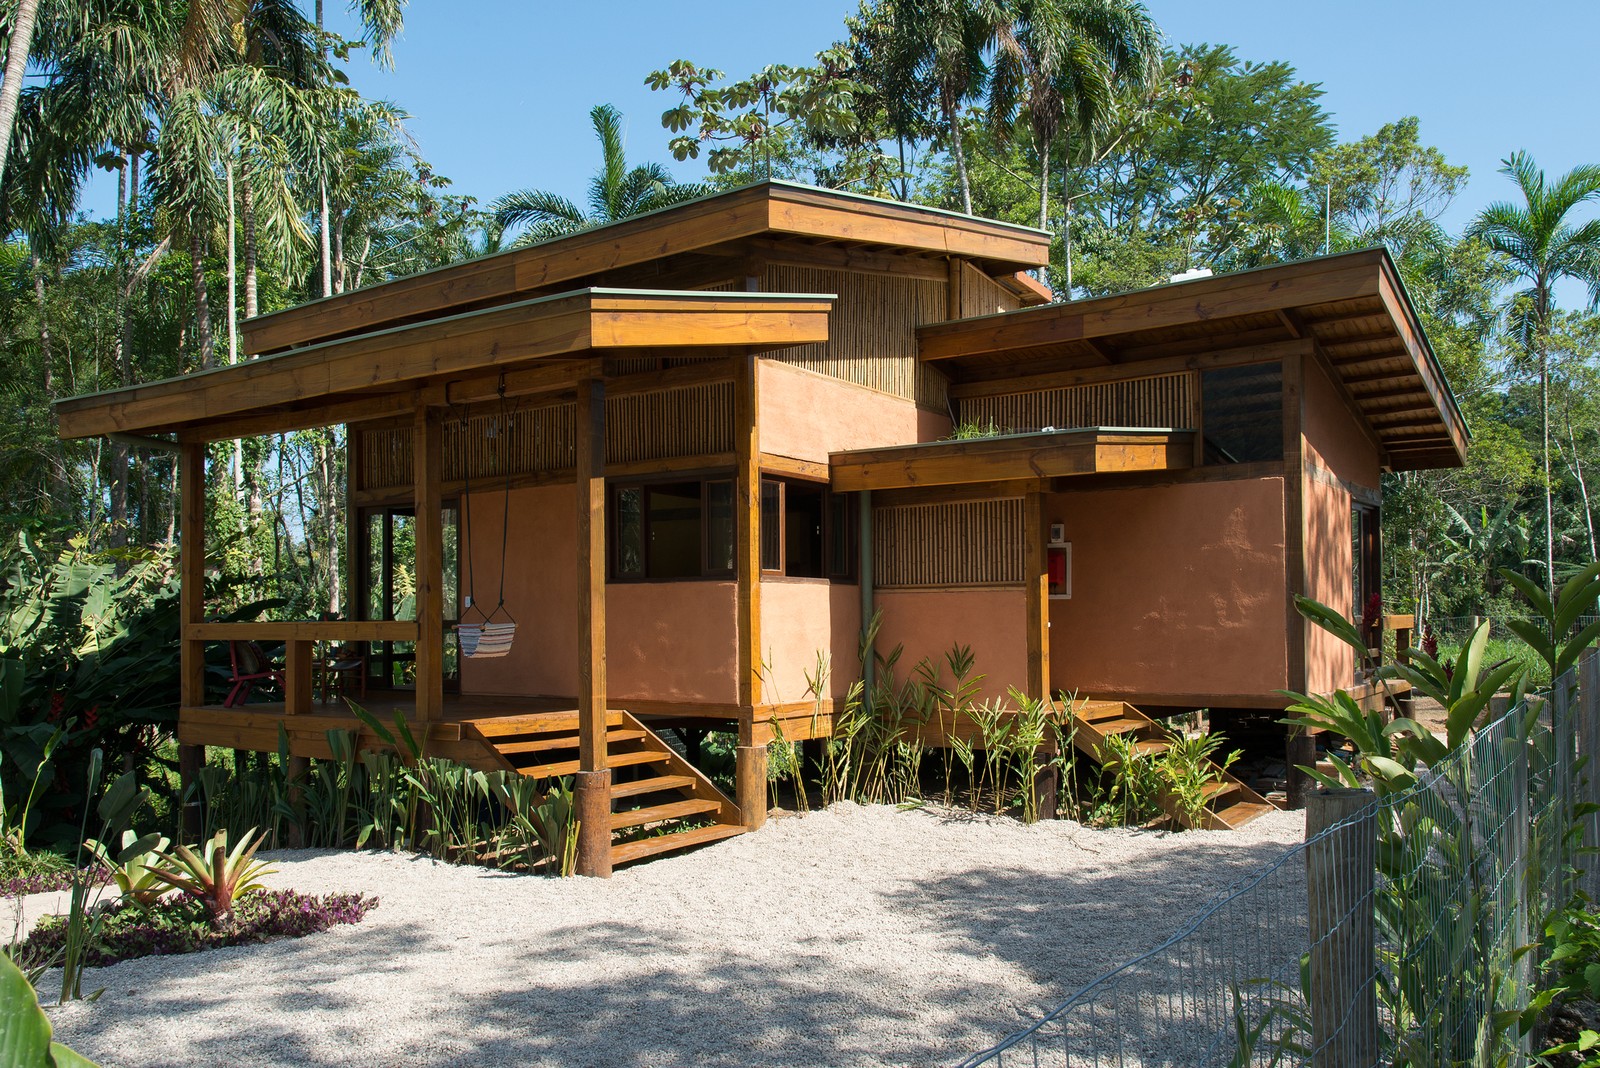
(643,993)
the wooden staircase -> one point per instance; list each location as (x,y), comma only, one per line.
(1230,804)
(660,803)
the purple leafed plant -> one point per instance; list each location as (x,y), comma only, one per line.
(184,925)
(49,882)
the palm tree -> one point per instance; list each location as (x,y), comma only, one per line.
(616,192)
(1059,63)
(1543,245)
(21,42)
(943,42)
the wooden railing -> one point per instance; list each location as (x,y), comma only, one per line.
(298,639)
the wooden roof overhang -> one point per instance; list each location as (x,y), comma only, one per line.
(541,345)
(1349,310)
(1012,458)
(766,211)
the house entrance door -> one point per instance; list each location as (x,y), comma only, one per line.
(388,550)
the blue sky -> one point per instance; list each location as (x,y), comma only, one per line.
(499,90)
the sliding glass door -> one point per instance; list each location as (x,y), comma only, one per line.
(388,570)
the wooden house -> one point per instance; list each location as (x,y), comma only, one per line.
(695,449)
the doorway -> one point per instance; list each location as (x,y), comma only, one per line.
(387,568)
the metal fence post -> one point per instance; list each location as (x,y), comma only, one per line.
(1587,729)
(1341,848)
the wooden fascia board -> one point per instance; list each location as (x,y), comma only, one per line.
(1222,297)
(1426,366)
(1032,292)
(801,212)
(475,341)
(1031,457)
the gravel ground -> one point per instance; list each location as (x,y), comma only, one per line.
(857,936)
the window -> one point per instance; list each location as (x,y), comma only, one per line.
(1366,556)
(1242,413)
(806,531)
(672,530)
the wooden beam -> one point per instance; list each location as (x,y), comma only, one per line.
(1017,456)
(427,443)
(1294,532)
(357,410)
(789,467)
(192,570)
(591,508)
(1131,369)
(747,528)
(1036,578)
(322,630)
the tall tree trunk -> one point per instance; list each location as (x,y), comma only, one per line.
(957,150)
(1576,463)
(1549,490)
(16,67)
(119,451)
(341,274)
(1044,182)
(247,219)
(202,303)
(233,271)
(324,240)
(57,458)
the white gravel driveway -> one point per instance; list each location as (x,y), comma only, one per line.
(858,936)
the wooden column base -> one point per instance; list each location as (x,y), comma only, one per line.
(751,775)
(593,799)
(191,758)
(1046,792)
(1299,750)
(295,772)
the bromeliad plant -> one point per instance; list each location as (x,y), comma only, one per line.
(134,866)
(215,876)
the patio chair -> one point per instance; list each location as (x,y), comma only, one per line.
(251,667)
(343,665)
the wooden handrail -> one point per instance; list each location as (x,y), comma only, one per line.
(335,630)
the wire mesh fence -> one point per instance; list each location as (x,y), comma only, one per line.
(1397,933)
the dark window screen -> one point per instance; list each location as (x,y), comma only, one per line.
(1242,410)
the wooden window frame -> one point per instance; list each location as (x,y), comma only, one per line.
(829,495)
(704,480)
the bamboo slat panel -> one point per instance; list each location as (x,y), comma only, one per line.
(872,339)
(689,421)
(982,295)
(971,543)
(1170,400)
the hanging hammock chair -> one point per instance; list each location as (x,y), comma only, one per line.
(491,634)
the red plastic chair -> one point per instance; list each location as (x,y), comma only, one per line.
(251,667)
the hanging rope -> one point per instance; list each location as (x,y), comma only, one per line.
(491,636)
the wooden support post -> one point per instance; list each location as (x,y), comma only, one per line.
(1047,792)
(192,572)
(750,769)
(747,529)
(297,660)
(1036,578)
(1340,876)
(593,800)
(191,758)
(427,441)
(594,779)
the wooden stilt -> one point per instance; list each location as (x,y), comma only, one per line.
(1047,792)
(594,779)
(191,758)
(295,772)
(593,800)
(751,771)
(427,454)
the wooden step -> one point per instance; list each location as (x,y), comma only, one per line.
(1121,725)
(627,852)
(542,723)
(1097,712)
(656,785)
(1220,788)
(616,760)
(1151,746)
(1237,815)
(564,741)
(675,810)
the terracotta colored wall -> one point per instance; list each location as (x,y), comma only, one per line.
(664,641)
(1334,442)
(929,622)
(807,415)
(799,618)
(541,590)
(1330,663)
(673,641)
(1175,590)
